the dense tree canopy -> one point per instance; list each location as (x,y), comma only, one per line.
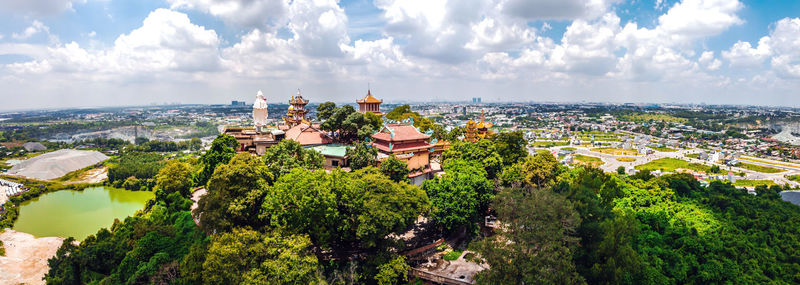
(460,196)
(483,152)
(395,169)
(287,155)
(510,146)
(175,176)
(223,148)
(361,155)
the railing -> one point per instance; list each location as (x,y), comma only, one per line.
(433,277)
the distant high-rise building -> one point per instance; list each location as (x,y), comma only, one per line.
(238,103)
(479,99)
(474,100)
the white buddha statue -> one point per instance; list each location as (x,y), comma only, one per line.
(260,111)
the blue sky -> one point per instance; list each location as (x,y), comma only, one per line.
(73,53)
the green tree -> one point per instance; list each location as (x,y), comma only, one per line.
(176,176)
(248,257)
(235,193)
(459,197)
(325,110)
(510,146)
(361,155)
(540,170)
(535,244)
(482,152)
(393,272)
(621,170)
(395,169)
(223,148)
(404,112)
(287,155)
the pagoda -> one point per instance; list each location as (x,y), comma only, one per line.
(474,132)
(408,144)
(369,104)
(471,131)
(297,111)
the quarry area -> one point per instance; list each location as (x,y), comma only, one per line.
(56,164)
(26,257)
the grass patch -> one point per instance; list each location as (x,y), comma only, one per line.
(616,151)
(669,164)
(665,149)
(588,160)
(770,162)
(453,255)
(795,178)
(759,168)
(693,155)
(548,143)
(753,183)
(647,117)
(626,159)
(569,148)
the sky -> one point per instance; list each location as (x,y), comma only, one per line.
(87,53)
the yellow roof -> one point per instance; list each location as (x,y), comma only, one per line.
(369,99)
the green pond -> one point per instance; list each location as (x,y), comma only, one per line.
(78,213)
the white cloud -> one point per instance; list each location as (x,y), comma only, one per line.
(247,13)
(708,61)
(166,41)
(692,19)
(742,55)
(38,7)
(555,9)
(35,28)
(785,44)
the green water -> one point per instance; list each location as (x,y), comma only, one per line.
(78,213)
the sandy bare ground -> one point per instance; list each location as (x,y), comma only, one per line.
(26,257)
(92,176)
(196,195)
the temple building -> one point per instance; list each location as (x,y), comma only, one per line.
(297,111)
(258,138)
(407,144)
(369,104)
(474,132)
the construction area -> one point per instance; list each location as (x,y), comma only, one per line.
(56,164)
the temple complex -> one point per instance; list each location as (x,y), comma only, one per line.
(370,104)
(407,144)
(258,138)
(297,111)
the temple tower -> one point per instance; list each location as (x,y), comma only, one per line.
(297,111)
(369,104)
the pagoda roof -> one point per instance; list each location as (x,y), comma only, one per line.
(307,135)
(399,132)
(369,99)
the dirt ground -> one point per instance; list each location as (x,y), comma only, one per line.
(26,257)
(96,175)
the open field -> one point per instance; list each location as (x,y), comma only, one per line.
(668,164)
(626,159)
(616,151)
(569,148)
(758,168)
(693,155)
(548,143)
(641,117)
(665,149)
(588,160)
(769,161)
(752,183)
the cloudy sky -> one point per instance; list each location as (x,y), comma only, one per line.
(72,53)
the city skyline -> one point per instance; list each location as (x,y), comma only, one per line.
(68,53)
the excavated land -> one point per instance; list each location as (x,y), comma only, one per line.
(55,164)
(26,257)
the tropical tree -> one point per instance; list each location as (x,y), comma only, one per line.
(175,176)
(535,243)
(287,155)
(223,148)
(395,169)
(482,152)
(235,193)
(325,110)
(510,146)
(361,155)
(245,256)
(460,196)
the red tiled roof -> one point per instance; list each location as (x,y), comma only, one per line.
(307,135)
(400,147)
(402,132)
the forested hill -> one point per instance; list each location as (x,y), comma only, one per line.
(280,219)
